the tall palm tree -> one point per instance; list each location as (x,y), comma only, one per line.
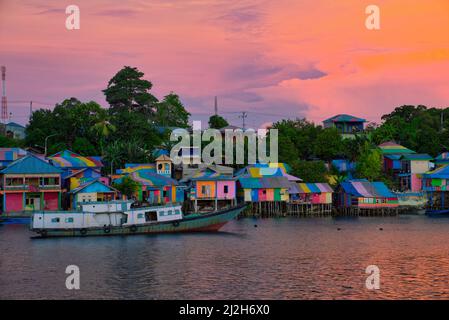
(102,130)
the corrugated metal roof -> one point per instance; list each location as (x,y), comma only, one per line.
(69,159)
(344,118)
(417,156)
(367,189)
(85,185)
(264,183)
(443,156)
(314,187)
(150,178)
(392,147)
(293,189)
(29,165)
(439,173)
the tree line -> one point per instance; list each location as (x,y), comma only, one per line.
(137,122)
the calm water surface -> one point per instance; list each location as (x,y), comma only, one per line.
(284,258)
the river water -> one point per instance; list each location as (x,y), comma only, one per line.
(285,258)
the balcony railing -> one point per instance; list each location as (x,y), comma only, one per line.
(30,187)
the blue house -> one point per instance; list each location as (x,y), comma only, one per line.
(8,155)
(30,183)
(15,130)
(92,191)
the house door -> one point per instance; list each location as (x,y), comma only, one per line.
(33,201)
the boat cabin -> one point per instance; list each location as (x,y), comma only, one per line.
(102,214)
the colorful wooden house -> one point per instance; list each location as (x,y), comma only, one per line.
(84,176)
(442,159)
(436,185)
(153,188)
(210,189)
(164,165)
(362,194)
(264,189)
(79,179)
(30,183)
(314,193)
(266,182)
(347,125)
(70,162)
(405,166)
(92,191)
(8,155)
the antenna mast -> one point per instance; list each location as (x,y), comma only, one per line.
(4,112)
(216,105)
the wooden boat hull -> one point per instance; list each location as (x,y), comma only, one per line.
(440,213)
(209,222)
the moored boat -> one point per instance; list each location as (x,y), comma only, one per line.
(120,218)
(441,212)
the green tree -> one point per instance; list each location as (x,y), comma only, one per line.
(69,120)
(83,147)
(128,91)
(328,144)
(310,171)
(369,164)
(170,112)
(6,142)
(217,122)
(127,186)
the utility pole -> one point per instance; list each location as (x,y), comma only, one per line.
(243,116)
(216,106)
(31,108)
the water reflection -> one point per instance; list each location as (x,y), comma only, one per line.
(321,258)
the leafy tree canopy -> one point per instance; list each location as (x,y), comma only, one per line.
(128,91)
(217,122)
(170,112)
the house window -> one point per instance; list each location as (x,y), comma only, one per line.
(205,190)
(55,220)
(151,215)
(69,220)
(226,189)
(159,166)
(165,193)
(264,191)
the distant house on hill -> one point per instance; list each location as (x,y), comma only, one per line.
(15,130)
(346,124)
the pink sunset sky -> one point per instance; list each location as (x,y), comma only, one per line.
(274,59)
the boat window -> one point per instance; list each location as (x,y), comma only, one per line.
(140,216)
(69,220)
(55,220)
(177,211)
(170,212)
(151,216)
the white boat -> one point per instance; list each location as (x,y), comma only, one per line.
(119,218)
